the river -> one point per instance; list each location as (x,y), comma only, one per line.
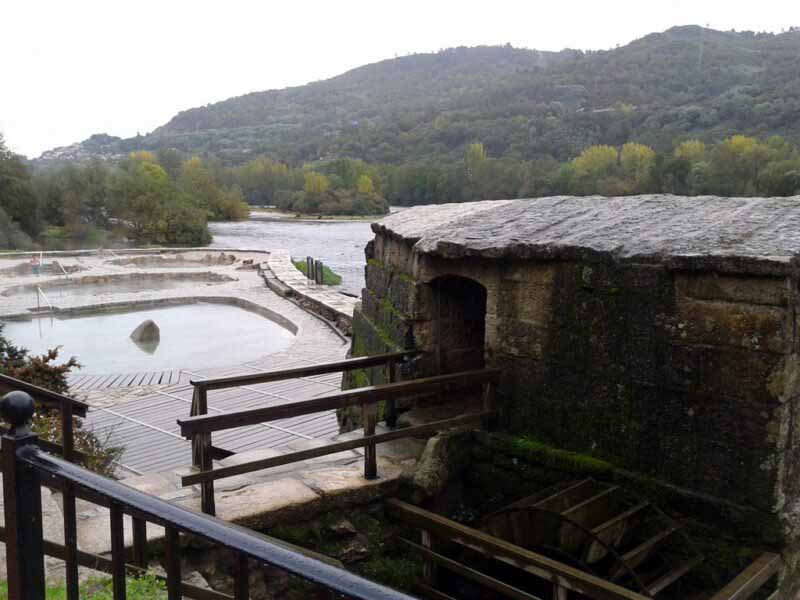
(339,244)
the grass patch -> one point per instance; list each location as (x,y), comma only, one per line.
(99,588)
(329,277)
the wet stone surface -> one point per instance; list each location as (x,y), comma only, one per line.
(655,226)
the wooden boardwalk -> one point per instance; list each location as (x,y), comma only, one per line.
(84,382)
(145,426)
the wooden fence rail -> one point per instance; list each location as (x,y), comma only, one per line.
(199,428)
(752,579)
(563,577)
(204,452)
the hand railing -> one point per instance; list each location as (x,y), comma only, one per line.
(67,408)
(200,428)
(203,452)
(26,467)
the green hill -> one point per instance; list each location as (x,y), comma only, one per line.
(685,82)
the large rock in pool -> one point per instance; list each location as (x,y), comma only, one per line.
(146,333)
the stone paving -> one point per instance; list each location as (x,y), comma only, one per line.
(323,299)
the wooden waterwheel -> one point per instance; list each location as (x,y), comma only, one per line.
(602,529)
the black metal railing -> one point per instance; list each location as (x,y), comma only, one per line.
(67,408)
(26,467)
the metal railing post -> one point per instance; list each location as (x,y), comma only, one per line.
(22,495)
(67,434)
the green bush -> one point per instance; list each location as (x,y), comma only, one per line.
(45,372)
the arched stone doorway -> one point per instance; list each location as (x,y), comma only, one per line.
(457,313)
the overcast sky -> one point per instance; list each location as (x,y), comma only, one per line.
(69,69)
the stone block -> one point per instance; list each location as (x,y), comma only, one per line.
(345,485)
(753,327)
(772,291)
(280,500)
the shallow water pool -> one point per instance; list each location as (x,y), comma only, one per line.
(192,336)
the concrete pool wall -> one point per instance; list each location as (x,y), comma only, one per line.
(143,279)
(237,281)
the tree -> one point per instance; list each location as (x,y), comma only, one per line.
(154,210)
(637,161)
(365,185)
(474,160)
(315,184)
(692,151)
(17,199)
(590,168)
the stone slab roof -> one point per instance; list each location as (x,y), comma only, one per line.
(730,234)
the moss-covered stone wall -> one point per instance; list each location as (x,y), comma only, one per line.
(689,377)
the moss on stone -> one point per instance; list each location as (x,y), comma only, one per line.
(399,572)
(531,449)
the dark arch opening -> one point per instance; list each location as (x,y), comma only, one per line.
(459,323)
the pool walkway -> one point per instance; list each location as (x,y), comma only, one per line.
(80,382)
(144,422)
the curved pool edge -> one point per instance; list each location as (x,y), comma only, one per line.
(116,307)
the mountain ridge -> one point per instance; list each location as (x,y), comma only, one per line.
(685,82)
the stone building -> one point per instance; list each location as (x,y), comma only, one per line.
(655,332)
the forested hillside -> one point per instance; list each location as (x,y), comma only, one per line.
(689,111)
(687,82)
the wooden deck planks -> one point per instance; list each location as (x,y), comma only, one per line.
(146,426)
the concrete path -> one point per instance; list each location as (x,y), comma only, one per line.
(323,299)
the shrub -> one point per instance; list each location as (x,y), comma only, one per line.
(45,372)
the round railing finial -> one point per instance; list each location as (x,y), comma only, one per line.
(17,410)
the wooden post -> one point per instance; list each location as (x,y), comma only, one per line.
(369,416)
(391,403)
(207,504)
(22,495)
(429,567)
(320,272)
(560,592)
(309,268)
(199,407)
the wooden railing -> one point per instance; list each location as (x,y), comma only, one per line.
(66,406)
(201,427)
(26,468)
(753,579)
(435,528)
(204,452)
